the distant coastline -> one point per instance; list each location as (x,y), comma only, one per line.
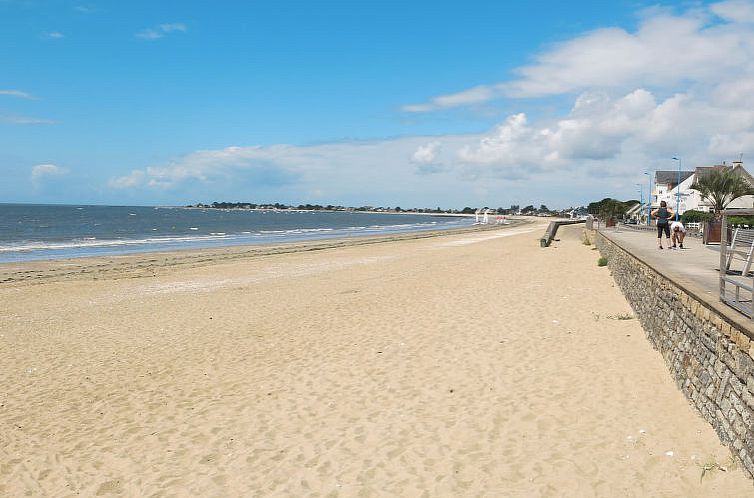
(250,206)
(323,210)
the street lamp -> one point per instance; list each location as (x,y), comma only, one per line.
(678,189)
(641,200)
(649,199)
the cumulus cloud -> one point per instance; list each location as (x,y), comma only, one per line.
(40,172)
(161,30)
(331,172)
(604,142)
(426,154)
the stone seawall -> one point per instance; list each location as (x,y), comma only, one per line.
(707,352)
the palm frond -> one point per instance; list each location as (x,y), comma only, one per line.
(721,186)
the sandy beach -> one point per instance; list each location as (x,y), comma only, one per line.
(463,364)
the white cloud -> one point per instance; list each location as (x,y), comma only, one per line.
(133,179)
(426,154)
(471,96)
(161,30)
(734,10)
(169,28)
(23,120)
(42,171)
(54,35)
(515,148)
(665,51)
(602,144)
(17,93)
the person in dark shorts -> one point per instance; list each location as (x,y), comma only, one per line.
(663,215)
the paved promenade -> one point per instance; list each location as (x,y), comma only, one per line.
(694,268)
(696,265)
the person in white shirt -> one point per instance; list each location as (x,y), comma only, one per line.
(678,232)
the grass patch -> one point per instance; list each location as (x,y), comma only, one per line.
(712,466)
(621,316)
(602,261)
(586,240)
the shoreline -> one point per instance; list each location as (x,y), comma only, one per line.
(147,263)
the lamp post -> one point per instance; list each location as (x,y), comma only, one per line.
(678,190)
(649,199)
(641,200)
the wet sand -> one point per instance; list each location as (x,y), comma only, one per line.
(466,364)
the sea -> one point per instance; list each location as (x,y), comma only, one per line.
(30,232)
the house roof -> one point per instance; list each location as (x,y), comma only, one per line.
(702,171)
(671,177)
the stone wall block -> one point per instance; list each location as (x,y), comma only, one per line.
(736,385)
(728,360)
(744,366)
(708,342)
(748,463)
(725,328)
(693,307)
(744,343)
(721,387)
(748,398)
(747,416)
(734,335)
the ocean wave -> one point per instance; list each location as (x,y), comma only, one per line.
(92,242)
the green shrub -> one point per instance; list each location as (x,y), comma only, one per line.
(694,216)
(741,220)
(602,261)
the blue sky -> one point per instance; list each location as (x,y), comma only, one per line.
(363,102)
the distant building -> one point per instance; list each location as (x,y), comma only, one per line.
(669,190)
(637,213)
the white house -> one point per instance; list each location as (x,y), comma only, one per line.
(667,189)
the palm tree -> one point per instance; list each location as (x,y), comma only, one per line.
(721,186)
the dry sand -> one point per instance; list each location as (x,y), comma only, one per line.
(473,364)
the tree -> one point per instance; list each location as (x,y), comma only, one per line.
(607,208)
(721,186)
